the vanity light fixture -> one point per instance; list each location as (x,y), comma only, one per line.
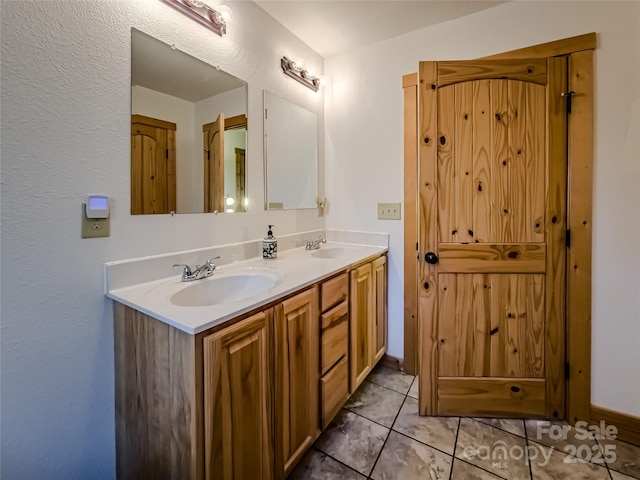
(296,70)
(213,18)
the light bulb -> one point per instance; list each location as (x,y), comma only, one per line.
(196,3)
(323,80)
(230,201)
(225,13)
(298,64)
(311,74)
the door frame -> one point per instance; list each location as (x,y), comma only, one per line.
(579,53)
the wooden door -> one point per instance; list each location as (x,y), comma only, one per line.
(153,165)
(213,138)
(297,356)
(379,277)
(492,237)
(241,180)
(238,401)
(361,313)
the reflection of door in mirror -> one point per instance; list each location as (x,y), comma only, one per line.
(213,138)
(153,165)
(224,164)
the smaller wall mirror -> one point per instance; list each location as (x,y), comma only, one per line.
(188,133)
(291,155)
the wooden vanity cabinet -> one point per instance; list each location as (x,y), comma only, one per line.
(368,322)
(334,347)
(297,372)
(244,400)
(238,403)
(380,325)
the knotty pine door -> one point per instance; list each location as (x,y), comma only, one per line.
(153,165)
(213,139)
(492,172)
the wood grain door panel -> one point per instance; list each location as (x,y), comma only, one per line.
(493,212)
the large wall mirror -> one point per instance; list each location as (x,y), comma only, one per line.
(188,133)
(291,155)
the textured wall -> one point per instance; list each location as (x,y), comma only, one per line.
(65,133)
(364,147)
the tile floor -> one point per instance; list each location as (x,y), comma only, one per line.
(379,435)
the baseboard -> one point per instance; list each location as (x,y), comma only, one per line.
(392,362)
(628,426)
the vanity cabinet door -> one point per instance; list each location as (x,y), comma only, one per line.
(379,270)
(297,367)
(238,430)
(361,323)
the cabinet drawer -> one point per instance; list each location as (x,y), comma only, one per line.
(334,291)
(335,336)
(334,390)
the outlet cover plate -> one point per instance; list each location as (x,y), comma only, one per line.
(389,211)
(94,227)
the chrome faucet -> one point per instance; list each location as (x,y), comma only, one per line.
(203,271)
(315,244)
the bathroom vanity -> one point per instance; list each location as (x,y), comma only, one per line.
(242,388)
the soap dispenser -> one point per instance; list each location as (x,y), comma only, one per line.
(270,246)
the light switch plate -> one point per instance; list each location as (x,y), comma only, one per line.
(94,227)
(389,211)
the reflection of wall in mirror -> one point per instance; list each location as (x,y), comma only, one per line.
(189,118)
(292,154)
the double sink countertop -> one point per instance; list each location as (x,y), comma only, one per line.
(258,283)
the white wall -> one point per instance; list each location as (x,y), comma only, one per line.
(364,156)
(65,96)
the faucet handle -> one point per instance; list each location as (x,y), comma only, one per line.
(187,270)
(209,263)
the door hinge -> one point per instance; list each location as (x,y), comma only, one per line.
(167,154)
(568,96)
(568,238)
(208,154)
(567,370)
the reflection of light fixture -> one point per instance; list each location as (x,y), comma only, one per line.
(213,18)
(296,70)
(230,200)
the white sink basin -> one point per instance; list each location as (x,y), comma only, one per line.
(225,288)
(332,252)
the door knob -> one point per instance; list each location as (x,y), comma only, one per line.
(431,258)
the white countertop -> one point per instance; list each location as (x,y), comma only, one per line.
(295,268)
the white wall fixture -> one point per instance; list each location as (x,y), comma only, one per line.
(213,18)
(297,70)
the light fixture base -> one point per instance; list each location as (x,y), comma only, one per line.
(302,76)
(204,15)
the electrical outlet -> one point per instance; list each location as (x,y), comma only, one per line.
(389,211)
(93,227)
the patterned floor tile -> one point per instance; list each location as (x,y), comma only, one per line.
(564,438)
(511,425)
(393,379)
(375,403)
(465,471)
(413,391)
(438,432)
(548,463)
(492,449)
(621,456)
(315,465)
(353,440)
(403,458)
